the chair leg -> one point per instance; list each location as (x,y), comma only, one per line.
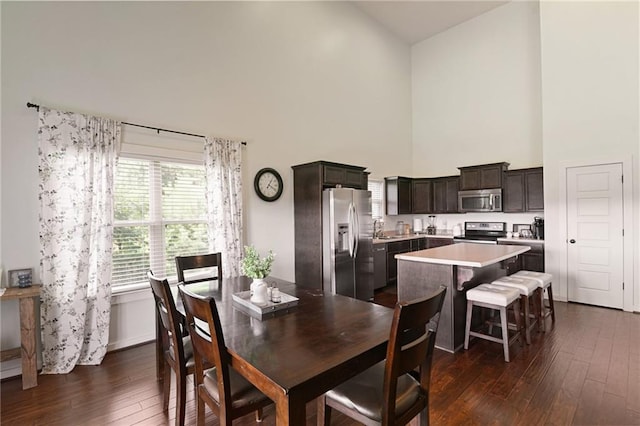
(259,415)
(505,333)
(468,325)
(166,385)
(323,411)
(200,412)
(181,396)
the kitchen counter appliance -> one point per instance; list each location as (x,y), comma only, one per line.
(482,232)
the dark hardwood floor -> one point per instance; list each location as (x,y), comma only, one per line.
(584,371)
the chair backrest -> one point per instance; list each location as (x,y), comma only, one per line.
(208,343)
(169,317)
(410,350)
(187,263)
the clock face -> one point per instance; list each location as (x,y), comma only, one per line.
(268,184)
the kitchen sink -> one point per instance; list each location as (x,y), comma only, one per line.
(390,237)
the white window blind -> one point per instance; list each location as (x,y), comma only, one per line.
(159,213)
(377,198)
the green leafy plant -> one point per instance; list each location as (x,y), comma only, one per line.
(253,266)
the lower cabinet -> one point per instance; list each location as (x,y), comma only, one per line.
(438,242)
(396,247)
(379,265)
(533,260)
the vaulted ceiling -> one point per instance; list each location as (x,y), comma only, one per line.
(414,21)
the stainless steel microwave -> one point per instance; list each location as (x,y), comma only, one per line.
(480,200)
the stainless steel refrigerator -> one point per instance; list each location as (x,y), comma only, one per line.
(347,229)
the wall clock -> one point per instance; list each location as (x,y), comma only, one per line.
(268,184)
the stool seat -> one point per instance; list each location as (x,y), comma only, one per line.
(525,286)
(544,282)
(499,298)
(542,278)
(493,294)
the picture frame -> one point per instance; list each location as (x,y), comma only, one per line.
(20,277)
(519,227)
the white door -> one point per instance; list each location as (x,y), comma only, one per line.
(595,235)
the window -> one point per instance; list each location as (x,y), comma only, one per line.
(160,212)
(377,198)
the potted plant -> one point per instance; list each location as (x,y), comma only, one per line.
(258,269)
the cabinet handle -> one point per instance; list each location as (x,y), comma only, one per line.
(572,241)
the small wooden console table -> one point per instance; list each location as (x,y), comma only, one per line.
(27,351)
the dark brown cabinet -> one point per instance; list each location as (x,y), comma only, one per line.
(523,190)
(418,244)
(486,176)
(398,194)
(533,260)
(445,194)
(309,180)
(394,248)
(422,196)
(438,242)
(379,265)
(346,177)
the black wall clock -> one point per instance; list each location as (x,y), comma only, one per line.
(268,184)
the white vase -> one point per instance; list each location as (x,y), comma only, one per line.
(259,291)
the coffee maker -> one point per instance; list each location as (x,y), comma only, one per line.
(538,228)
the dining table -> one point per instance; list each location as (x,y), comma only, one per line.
(294,355)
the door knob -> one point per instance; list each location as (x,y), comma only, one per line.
(572,241)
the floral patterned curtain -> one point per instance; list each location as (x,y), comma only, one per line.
(77,158)
(223,168)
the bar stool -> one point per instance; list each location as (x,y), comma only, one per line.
(497,298)
(544,282)
(527,289)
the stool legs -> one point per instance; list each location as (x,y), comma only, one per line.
(505,332)
(506,342)
(544,312)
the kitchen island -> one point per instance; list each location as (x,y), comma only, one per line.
(459,267)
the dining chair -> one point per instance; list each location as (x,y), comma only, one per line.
(223,389)
(177,348)
(396,390)
(200,261)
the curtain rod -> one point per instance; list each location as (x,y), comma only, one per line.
(157,129)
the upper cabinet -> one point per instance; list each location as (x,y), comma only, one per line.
(523,190)
(340,174)
(399,194)
(445,194)
(486,176)
(422,197)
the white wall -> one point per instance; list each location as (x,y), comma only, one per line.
(476,93)
(590,104)
(300,81)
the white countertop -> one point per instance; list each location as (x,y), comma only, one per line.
(465,254)
(520,240)
(411,237)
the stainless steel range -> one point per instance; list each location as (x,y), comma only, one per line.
(482,232)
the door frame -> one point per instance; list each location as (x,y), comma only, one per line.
(627,211)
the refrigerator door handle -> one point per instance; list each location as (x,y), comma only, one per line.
(350,224)
(357,230)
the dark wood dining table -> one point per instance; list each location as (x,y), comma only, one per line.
(295,355)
